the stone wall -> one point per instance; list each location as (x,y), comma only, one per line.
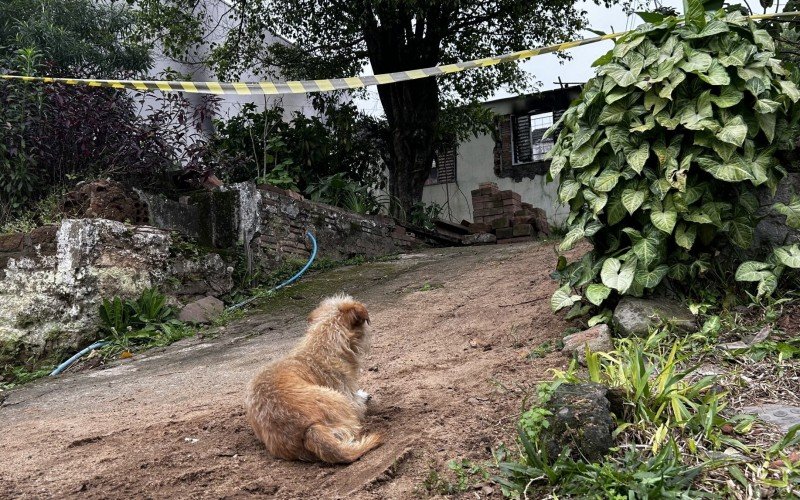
(53,279)
(268,225)
(284,218)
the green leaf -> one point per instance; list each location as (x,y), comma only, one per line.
(739,56)
(615,210)
(767,285)
(695,13)
(764,40)
(596,201)
(563,298)
(650,279)
(638,157)
(651,17)
(664,220)
(632,199)
(617,275)
(755,86)
(646,250)
(613,113)
(715,27)
(573,236)
(790,89)
(597,293)
(735,171)
(766,106)
(752,271)
(697,62)
(728,97)
(685,235)
(741,231)
(568,190)
(717,75)
(675,79)
(791,211)
(606,181)
(767,122)
(621,75)
(734,132)
(789,256)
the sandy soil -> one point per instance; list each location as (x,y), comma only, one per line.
(449,371)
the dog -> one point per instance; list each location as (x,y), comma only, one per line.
(307,405)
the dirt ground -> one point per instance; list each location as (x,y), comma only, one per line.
(449,370)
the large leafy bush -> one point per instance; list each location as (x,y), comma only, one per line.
(661,157)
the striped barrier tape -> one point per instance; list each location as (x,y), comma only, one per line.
(309,86)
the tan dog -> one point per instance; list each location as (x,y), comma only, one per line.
(307,405)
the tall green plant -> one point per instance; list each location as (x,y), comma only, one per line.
(660,158)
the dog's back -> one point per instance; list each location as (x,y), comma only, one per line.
(304,407)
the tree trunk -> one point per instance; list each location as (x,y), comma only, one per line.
(412,108)
(412,111)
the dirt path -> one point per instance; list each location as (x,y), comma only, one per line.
(449,372)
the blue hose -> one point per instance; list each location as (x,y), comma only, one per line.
(66,364)
(290,280)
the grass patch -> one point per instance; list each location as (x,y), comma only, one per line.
(682,432)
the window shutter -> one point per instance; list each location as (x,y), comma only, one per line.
(521,127)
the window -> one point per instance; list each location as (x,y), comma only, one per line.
(528,131)
(443,168)
(539,125)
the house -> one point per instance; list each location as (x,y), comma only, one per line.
(513,159)
(219,17)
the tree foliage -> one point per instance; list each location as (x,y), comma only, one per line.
(77,38)
(661,157)
(338,38)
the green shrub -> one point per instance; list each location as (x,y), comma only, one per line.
(145,320)
(661,157)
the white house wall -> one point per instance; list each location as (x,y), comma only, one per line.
(474,165)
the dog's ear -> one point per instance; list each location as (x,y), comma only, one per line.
(354,314)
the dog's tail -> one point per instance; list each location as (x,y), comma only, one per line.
(325,443)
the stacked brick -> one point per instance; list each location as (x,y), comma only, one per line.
(505,215)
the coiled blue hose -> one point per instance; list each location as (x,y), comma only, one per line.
(66,364)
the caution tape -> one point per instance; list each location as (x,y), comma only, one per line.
(309,86)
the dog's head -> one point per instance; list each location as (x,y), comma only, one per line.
(348,315)
(349,312)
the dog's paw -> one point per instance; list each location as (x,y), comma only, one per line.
(364,395)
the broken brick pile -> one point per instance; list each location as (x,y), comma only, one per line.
(505,215)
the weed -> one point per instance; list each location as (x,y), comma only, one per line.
(542,350)
(22,375)
(465,474)
(427,287)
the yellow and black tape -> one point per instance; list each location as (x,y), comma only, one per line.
(309,86)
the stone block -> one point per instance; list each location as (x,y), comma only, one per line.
(635,316)
(523,230)
(480,239)
(504,233)
(519,239)
(501,223)
(11,242)
(597,339)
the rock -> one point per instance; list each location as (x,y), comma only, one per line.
(201,311)
(51,289)
(634,316)
(783,416)
(772,229)
(480,239)
(581,420)
(539,221)
(105,199)
(597,338)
